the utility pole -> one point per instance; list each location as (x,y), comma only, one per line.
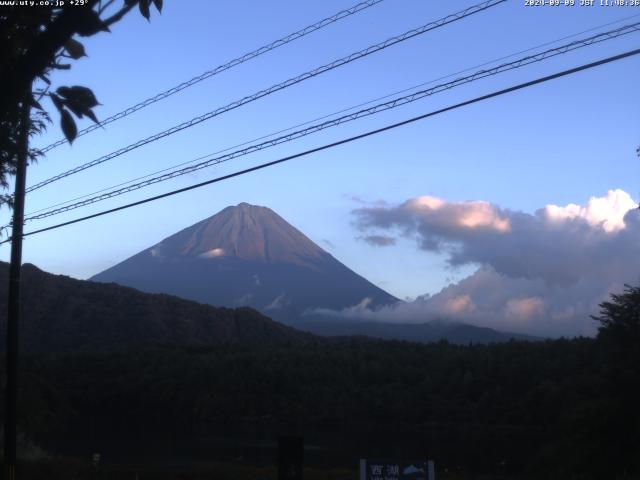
(15,270)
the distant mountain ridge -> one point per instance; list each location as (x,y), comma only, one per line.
(433,331)
(247,255)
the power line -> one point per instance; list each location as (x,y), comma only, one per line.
(346,140)
(280,86)
(362,104)
(626,29)
(221,68)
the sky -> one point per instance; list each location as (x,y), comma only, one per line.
(410,209)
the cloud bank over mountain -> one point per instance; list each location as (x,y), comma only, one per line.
(543,273)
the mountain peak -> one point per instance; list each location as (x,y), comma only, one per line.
(245,205)
(248,208)
(244,231)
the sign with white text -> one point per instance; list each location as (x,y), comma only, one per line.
(397,470)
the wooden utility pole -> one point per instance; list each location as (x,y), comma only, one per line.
(15,270)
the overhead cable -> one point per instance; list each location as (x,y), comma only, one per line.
(221,68)
(344,141)
(275,88)
(528,60)
(330,115)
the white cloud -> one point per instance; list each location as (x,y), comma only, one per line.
(543,273)
(378,240)
(460,305)
(463,215)
(524,309)
(360,310)
(213,253)
(278,303)
(606,212)
(243,300)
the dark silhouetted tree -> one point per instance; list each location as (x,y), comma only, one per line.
(37,40)
(620,322)
(619,340)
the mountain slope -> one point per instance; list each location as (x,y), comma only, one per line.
(247,255)
(63,314)
(434,331)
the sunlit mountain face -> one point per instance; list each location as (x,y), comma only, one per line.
(247,255)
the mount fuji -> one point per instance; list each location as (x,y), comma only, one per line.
(247,255)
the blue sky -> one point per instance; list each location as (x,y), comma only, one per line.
(557,143)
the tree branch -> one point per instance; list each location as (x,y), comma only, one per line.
(39,56)
(118,16)
(102,8)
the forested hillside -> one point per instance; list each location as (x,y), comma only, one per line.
(544,407)
(62,314)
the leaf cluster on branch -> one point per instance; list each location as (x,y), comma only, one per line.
(36,41)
